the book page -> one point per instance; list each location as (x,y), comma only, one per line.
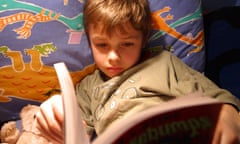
(74,130)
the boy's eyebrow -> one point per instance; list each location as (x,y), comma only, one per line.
(99,37)
(96,37)
(131,37)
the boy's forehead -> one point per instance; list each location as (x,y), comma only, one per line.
(101,28)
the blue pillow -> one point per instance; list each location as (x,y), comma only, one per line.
(179,29)
(33,36)
(36,34)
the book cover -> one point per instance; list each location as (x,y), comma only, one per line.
(187,120)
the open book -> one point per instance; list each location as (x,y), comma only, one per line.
(189,119)
(74,131)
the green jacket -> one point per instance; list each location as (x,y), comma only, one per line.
(150,83)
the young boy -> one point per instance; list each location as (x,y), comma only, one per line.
(125,84)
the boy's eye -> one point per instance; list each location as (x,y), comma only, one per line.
(127,44)
(101,45)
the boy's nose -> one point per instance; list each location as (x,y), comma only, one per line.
(113,56)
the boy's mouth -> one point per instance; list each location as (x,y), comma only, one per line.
(115,69)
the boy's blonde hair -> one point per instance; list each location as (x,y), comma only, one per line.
(113,13)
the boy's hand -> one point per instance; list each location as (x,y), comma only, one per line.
(228,127)
(49,120)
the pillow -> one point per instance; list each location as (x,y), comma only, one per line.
(178,27)
(36,34)
(33,36)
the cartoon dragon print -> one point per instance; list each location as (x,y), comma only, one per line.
(159,23)
(36,53)
(40,15)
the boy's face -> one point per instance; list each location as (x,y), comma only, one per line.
(116,51)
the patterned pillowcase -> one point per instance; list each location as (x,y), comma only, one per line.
(178,28)
(33,36)
(36,34)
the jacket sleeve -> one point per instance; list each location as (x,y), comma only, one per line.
(189,80)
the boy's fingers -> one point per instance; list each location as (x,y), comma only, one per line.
(42,128)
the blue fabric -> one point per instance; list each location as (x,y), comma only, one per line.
(33,36)
(182,33)
(36,34)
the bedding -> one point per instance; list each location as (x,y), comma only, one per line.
(35,34)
